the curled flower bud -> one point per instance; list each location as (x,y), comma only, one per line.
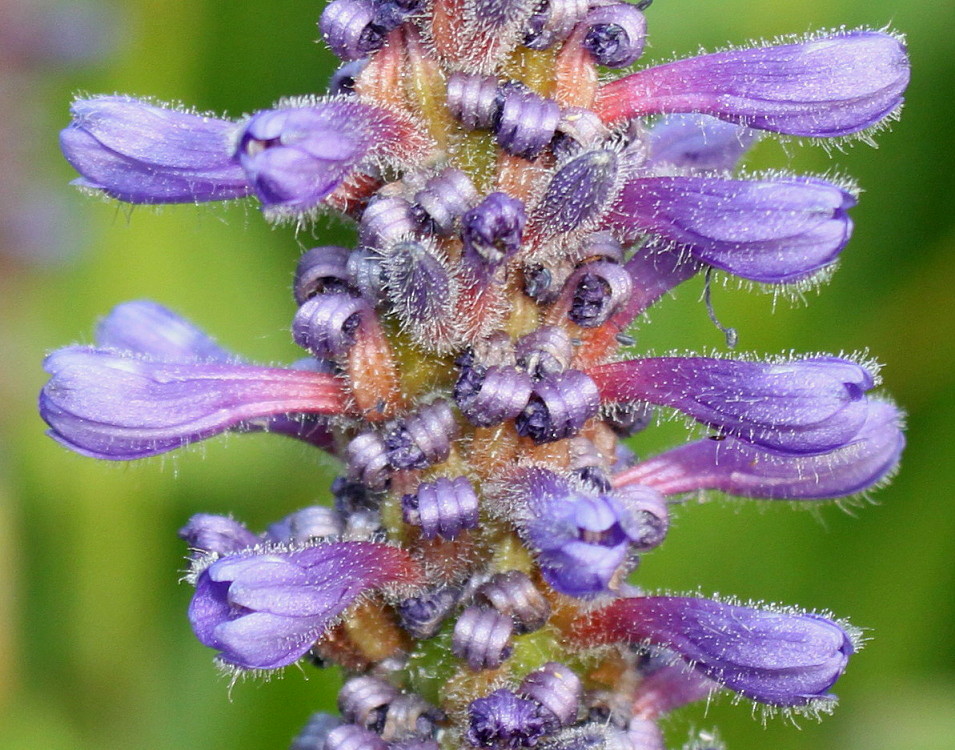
(527,122)
(409,716)
(513,593)
(558,690)
(218,534)
(474,99)
(489,396)
(553,21)
(482,637)
(503,720)
(365,269)
(326,325)
(446,197)
(747,470)
(264,609)
(545,351)
(777,231)
(367,460)
(578,128)
(600,289)
(494,228)
(803,406)
(421,439)
(349,28)
(307,525)
(422,616)
(385,222)
(321,269)
(615,34)
(650,512)
(444,507)
(141,153)
(364,701)
(779,658)
(559,406)
(353,737)
(827,86)
(116,406)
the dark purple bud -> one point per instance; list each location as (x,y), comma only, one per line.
(512,593)
(444,507)
(446,197)
(698,142)
(802,406)
(579,192)
(474,99)
(651,515)
(553,21)
(600,289)
(615,34)
(494,228)
(315,731)
(364,701)
(263,609)
(297,156)
(558,690)
(321,269)
(777,657)
(774,231)
(422,616)
(422,439)
(353,737)
(421,291)
(527,122)
(151,330)
(140,153)
(829,86)
(581,540)
(342,82)
(502,720)
(492,395)
(367,460)
(307,525)
(349,28)
(218,534)
(385,222)
(559,407)
(545,351)
(117,406)
(747,470)
(326,325)
(482,637)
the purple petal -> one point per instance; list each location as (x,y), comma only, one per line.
(804,406)
(772,231)
(698,142)
(743,469)
(830,86)
(141,153)
(115,406)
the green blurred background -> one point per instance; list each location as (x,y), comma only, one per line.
(95,649)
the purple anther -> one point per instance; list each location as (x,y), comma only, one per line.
(349,28)
(527,123)
(342,82)
(600,289)
(578,128)
(545,351)
(326,325)
(494,229)
(579,192)
(306,525)
(473,99)
(513,593)
(502,720)
(367,273)
(556,688)
(446,197)
(616,34)
(409,716)
(482,637)
(444,507)
(353,737)
(322,269)
(364,701)
(559,407)
(499,394)
(553,21)
(422,439)
(650,513)
(422,616)
(386,221)
(367,460)
(218,534)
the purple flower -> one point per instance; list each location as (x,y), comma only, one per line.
(119,406)
(502,720)
(828,86)
(772,231)
(749,471)
(803,406)
(140,153)
(775,657)
(263,609)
